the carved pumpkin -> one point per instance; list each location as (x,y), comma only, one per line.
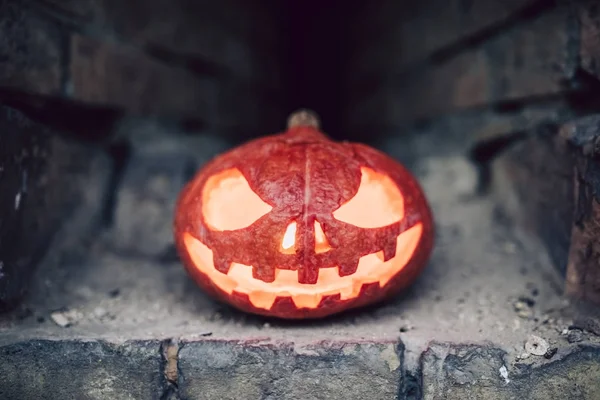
(295,225)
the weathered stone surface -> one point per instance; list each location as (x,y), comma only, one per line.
(31,50)
(533,182)
(230,370)
(161,162)
(472,372)
(47,183)
(89,370)
(447,367)
(145,203)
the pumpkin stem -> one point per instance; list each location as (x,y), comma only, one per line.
(303,117)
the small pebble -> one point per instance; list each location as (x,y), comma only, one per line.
(60,320)
(523,309)
(525,314)
(536,345)
(527,300)
(65,319)
(550,353)
(575,336)
(520,305)
(504,374)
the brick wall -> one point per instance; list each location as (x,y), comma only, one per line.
(213,62)
(431,59)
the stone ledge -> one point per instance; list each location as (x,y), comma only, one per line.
(215,369)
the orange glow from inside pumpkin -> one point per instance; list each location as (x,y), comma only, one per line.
(261,294)
(289,238)
(228,202)
(288,243)
(321,242)
(378,203)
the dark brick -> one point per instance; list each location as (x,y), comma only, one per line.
(589,19)
(208,62)
(529,60)
(235,370)
(113,75)
(81,370)
(392,35)
(583,273)
(231,34)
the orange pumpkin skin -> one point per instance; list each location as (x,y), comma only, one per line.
(300,179)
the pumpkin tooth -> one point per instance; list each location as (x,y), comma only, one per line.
(389,250)
(265,273)
(308,275)
(350,292)
(346,292)
(262,300)
(307,300)
(348,268)
(221,264)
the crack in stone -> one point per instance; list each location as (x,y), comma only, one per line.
(169,351)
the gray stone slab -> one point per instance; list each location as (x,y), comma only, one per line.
(483,372)
(42,369)
(238,370)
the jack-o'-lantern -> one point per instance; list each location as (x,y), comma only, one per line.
(295,225)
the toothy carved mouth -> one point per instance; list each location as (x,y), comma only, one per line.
(371,269)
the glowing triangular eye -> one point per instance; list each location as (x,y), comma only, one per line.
(321,242)
(289,239)
(228,202)
(377,203)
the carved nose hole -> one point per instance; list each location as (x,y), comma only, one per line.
(288,243)
(321,242)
